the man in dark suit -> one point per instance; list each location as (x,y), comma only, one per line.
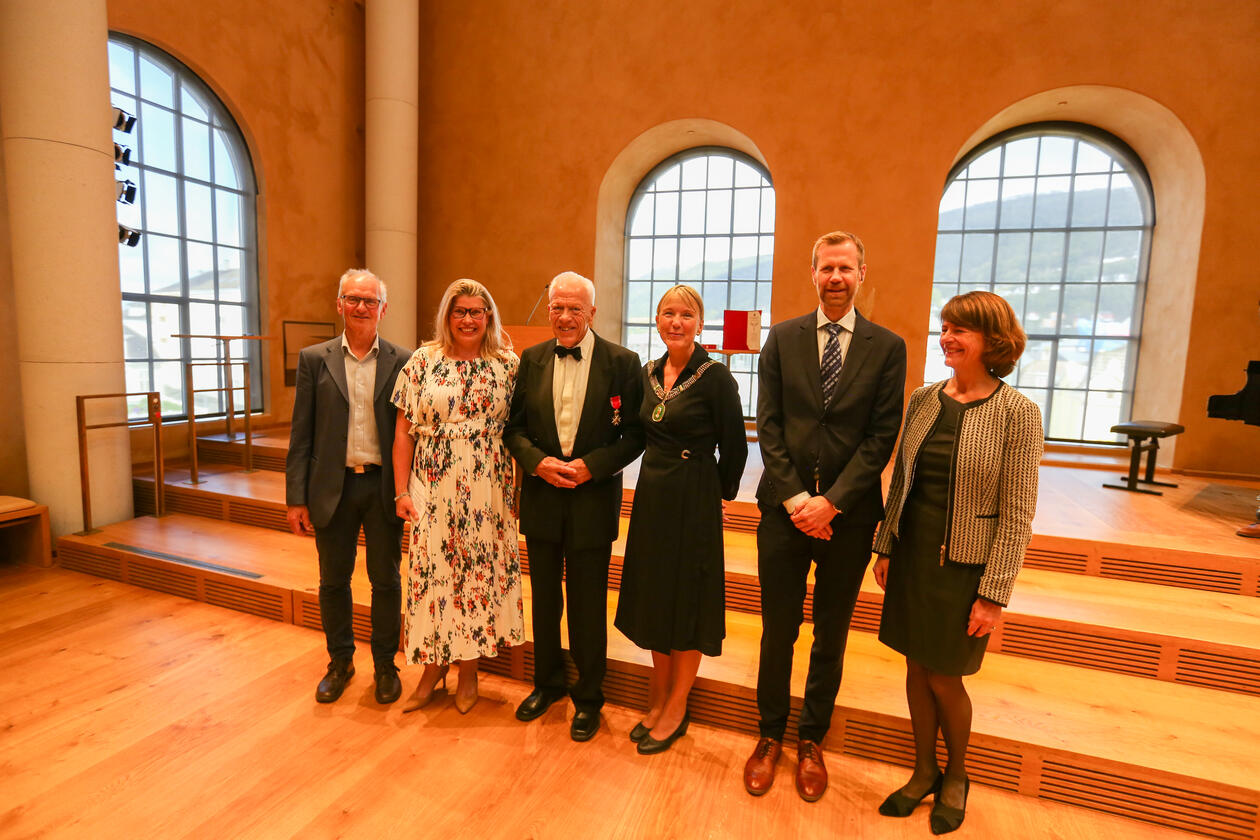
(339,476)
(574,425)
(828,411)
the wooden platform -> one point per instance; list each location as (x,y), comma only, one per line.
(132,713)
(1171,754)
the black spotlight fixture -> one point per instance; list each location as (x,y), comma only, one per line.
(122,155)
(126,191)
(123,121)
(128,237)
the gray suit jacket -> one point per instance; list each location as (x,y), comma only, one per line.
(604,445)
(837,449)
(316,464)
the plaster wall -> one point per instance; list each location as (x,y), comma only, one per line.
(858,108)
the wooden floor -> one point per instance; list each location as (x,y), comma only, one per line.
(130,713)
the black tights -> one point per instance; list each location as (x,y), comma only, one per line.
(938,702)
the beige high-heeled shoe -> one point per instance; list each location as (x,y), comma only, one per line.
(426,688)
(465,699)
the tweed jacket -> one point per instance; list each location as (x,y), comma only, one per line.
(992,483)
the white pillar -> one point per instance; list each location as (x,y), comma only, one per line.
(59,177)
(392,157)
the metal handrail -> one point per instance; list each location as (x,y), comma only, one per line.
(192,411)
(154,419)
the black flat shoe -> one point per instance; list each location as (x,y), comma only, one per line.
(639,732)
(538,701)
(388,686)
(649,745)
(584,726)
(334,682)
(945,819)
(899,804)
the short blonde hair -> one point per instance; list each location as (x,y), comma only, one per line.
(838,237)
(686,294)
(992,316)
(494,344)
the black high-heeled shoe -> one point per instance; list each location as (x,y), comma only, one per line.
(899,804)
(944,818)
(650,745)
(639,732)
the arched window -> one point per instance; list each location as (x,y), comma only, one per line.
(704,217)
(1057,219)
(195,269)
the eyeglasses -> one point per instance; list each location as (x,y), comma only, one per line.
(476,313)
(572,311)
(353,301)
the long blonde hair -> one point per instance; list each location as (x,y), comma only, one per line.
(495,343)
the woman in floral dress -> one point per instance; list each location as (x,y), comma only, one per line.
(463,591)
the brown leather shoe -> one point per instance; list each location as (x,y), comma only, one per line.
(759,769)
(811,773)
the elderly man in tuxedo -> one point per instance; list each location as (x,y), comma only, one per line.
(828,411)
(339,477)
(574,425)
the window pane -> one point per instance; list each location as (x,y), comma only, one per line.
(690,260)
(1084,256)
(1089,201)
(230,277)
(638,301)
(640,267)
(1078,309)
(156,127)
(666,221)
(765,263)
(1046,263)
(1109,368)
(232,322)
(977,261)
(743,296)
(131,269)
(985,166)
(1116,303)
(643,215)
(228,209)
(767,210)
(203,321)
(1066,414)
(1017,202)
(200,270)
(1125,209)
(1012,258)
(1042,309)
(1052,202)
(1090,158)
(1034,365)
(198,221)
(1056,156)
(135,331)
(164,321)
(1014,295)
(156,83)
(692,212)
(190,103)
(665,259)
(948,253)
(981,209)
(747,210)
(122,72)
(941,293)
(165,277)
(717,256)
(1021,158)
(1071,366)
(1102,412)
(196,149)
(1120,265)
(693,173)
(951,216)
(224,166)
(746,176)
(161,213)
(721,172)
(744,258)
(718,212)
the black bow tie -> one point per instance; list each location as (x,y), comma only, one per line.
(575,352)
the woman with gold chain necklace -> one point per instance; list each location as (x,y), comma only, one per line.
(672,599)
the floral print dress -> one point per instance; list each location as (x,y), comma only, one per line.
(464,573)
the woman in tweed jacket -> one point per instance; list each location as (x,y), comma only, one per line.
(958,518)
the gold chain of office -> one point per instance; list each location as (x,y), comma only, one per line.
(658,413)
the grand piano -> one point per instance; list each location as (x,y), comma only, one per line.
(1244,406)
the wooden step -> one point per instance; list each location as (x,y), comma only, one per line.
(1135,628)
(1175,755)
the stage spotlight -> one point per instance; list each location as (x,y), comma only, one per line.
(123,121)
(128,237)
(126,191)
(122,155)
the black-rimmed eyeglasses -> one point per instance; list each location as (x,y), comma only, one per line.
(353,301)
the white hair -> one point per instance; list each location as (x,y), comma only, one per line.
(571,277)
(353,274)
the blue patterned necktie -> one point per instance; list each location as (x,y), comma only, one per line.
(831,361)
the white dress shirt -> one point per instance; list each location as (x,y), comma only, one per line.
(363,442)
(568,391)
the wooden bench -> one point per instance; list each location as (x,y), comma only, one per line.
(1144,436)
(25,532)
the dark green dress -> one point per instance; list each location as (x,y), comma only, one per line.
(927,604)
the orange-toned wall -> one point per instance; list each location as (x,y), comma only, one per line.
(291,73)
(859,108)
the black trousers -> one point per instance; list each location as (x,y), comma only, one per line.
(784,555)
(337,543)
(585,573)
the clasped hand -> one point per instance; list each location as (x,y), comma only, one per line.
(814,516)
(562,473)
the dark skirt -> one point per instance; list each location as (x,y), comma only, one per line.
(926,604)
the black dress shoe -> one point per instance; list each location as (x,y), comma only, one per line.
(650,745)
(538,702)
(388,686)
(899,804)
(585,725)
(334,682)
(639,732)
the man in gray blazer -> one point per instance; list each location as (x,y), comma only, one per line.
(828,410)
(339,477)
(574,425)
